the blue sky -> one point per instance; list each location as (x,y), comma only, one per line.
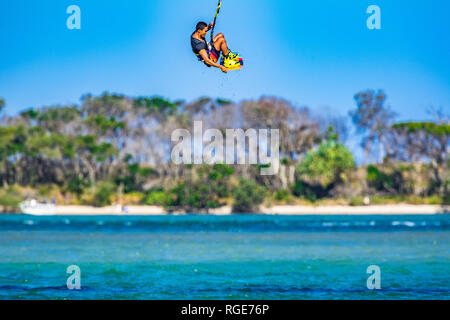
(314,53)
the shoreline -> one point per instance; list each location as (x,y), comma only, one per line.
(397,209)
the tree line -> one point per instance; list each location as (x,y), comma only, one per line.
(113,148)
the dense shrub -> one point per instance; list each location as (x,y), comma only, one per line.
(157,198)
(381,181)
(103,193)
(192,197)
(282,195)
(77,186)
(10,199)
(204,192)
(308,192)
(247,197)
(327,165)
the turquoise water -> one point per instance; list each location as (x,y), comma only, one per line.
(232,257)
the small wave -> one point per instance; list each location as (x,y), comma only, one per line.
(404,223)
(321,290)
(339,224)
(328,224)
(28,222)
(228,224)
(33,288)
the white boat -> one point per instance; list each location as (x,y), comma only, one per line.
(35,208)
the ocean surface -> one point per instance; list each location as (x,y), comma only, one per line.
(225,257)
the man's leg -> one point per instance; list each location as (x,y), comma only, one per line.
(221,44)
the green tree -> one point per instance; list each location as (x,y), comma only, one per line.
(134,177)
(12,142)
(248,196)
(424,141)
(157,107)
(327,165)
(373,119)
(10,199)
(157,198)
(204,192)
(103,193)
(57,119)
(382,181)
(93,154)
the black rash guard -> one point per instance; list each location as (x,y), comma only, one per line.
(198,45)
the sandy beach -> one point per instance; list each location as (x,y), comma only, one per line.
(400,209)
(405,209)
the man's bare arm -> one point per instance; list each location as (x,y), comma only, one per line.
(208,61)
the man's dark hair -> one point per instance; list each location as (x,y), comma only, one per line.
(201,25)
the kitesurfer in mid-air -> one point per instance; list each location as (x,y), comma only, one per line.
(209,53)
